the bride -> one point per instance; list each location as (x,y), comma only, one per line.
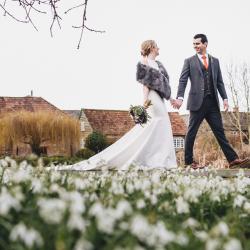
(150,146)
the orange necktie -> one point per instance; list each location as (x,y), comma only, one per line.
(205,61)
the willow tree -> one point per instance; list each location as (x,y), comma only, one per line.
(37,128)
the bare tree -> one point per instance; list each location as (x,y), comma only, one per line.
(25,10)
(239,86)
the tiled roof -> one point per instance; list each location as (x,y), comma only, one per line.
(118,122)
(109,122)
(179,126)
(73,113)
(27,103)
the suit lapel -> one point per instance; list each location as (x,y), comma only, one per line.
(197,62)
(212,67)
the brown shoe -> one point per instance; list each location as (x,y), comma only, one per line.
(195,165)
(240,163)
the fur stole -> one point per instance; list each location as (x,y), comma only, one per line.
(157,80)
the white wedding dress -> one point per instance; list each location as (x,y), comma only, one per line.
(145,147)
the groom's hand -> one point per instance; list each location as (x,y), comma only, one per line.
(177,104)
(225,104)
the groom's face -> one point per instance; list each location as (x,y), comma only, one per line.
(199,47)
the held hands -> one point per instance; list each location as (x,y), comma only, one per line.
(176,103)
(225,104)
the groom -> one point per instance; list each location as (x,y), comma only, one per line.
(204,73)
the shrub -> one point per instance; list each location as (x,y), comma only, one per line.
(85,153)
(96,142)
(59,160)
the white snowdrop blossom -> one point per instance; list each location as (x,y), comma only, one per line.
(221,229)
(192,195)
(51,210)
(239,200)
(76,222)
(232,244)
(182,207)
(140,204)
(30,237)
(37,186)
(140,227)
(83,244)
(212,244)
(7,202)
(247,207)
(55,176)
(181,239)
(202,235)
(191,223)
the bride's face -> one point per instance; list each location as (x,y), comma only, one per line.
(155,50)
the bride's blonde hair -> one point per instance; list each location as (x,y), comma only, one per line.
(146,47)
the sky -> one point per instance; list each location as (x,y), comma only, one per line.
(101,74)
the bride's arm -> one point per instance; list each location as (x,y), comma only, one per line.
(145,93)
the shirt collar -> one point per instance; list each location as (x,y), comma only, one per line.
(200,56)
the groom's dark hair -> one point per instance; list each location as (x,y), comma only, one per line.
(202,36)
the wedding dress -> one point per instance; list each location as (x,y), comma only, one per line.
(145,147)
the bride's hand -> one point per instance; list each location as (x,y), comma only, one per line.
(147,103)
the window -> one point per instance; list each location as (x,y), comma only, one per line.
(82,125)
(178,142)
(82,143)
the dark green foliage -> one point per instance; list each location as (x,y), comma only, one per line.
(85,153)
(96,141)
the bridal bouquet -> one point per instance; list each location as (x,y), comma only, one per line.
(139,114)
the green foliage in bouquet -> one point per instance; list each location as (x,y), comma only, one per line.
(139,114)
(96,142)
(85,153)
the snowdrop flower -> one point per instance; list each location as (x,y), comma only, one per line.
(36,186)
(221,229)
(123,208)
(247,207)
(140,227)
(192,194)
(182,206)
(3,163)
(130,188)
(212,244)
(140,204)
(164,236)
(155,178)
(76,222)
(76,201)
(51,210)
(202,235)
(233,244)
(55,176)
(106,218)
(21,175)
(7,201)
(181,239)
(30,237)
(83,244)
(191,223)
(116,188)
(214,196)
(239,200)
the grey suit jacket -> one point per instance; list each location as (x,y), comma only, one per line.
(192,70)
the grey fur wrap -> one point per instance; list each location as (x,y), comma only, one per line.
(157,80)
